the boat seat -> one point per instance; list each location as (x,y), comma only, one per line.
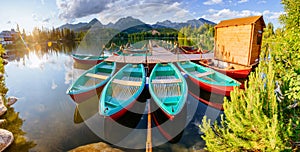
(127,83)
(171,100)
(204,74)
(166,81)
(98,76)
(112,102)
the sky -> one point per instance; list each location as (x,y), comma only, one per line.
(54,13)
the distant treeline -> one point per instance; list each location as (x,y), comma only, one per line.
(98,38)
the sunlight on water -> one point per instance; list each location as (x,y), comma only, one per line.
(50,119)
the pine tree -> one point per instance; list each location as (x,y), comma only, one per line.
(286,53)
(251,122)
(258,119)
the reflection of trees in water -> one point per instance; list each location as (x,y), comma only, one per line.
(14,124)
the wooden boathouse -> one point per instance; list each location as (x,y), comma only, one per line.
(239,40)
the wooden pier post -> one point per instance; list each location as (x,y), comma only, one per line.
(149,133)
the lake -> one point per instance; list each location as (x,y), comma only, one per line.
(49,120)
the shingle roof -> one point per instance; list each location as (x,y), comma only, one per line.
(240,21)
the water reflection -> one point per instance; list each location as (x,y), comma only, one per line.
(14,124)
(53,122)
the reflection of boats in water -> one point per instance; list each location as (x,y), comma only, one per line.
(122,90)
(86,109)
(207,98)
(116,130)
(173,129)
(91,81)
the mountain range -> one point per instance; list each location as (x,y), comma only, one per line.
(131,25)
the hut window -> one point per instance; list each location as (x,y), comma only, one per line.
(259,37)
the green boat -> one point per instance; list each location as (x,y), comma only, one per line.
(94,79)
(208,79)
(122,91)
(168,88)
(88,59)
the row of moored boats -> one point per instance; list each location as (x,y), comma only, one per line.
(167,85)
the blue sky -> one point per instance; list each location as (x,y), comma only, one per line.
(53,13)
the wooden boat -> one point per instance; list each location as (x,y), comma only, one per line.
(190,50)
(91,81)
(232,70)
(122,90)
(208,79)
(88,59)
(168,88)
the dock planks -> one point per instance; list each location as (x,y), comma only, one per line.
(159,55)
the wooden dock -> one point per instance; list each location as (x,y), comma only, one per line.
(159,55)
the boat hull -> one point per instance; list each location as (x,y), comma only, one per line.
(122,112)
(81,97)
(171,105)
(82,89)
(90,62)
(233,73)
(121,93)
(223,90)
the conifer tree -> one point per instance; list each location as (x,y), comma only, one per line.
(257,119)
(251,122)
(286,53)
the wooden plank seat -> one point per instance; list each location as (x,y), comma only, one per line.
(127,83)
(204,74)
(98,76)
(171,100)
(166,80)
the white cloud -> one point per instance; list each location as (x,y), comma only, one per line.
(272,15)
(70,10)
(218,15)
(147,12)
(223,14)
(242,1)
(212,2)
(43,2)
(261,2)
(53,85)
(46,20)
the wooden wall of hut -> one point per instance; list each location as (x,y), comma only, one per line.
(239,40)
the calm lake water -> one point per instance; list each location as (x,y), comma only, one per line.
(52,122)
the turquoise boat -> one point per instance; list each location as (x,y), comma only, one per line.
(122,91)
(168,88)
(94,79)
(88,59)
(208,79)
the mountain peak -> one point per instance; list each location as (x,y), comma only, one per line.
(94,21)
(206,21)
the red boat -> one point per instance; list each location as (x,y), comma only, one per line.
(223,90)
(230,69)
(208,79)
(192,50)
